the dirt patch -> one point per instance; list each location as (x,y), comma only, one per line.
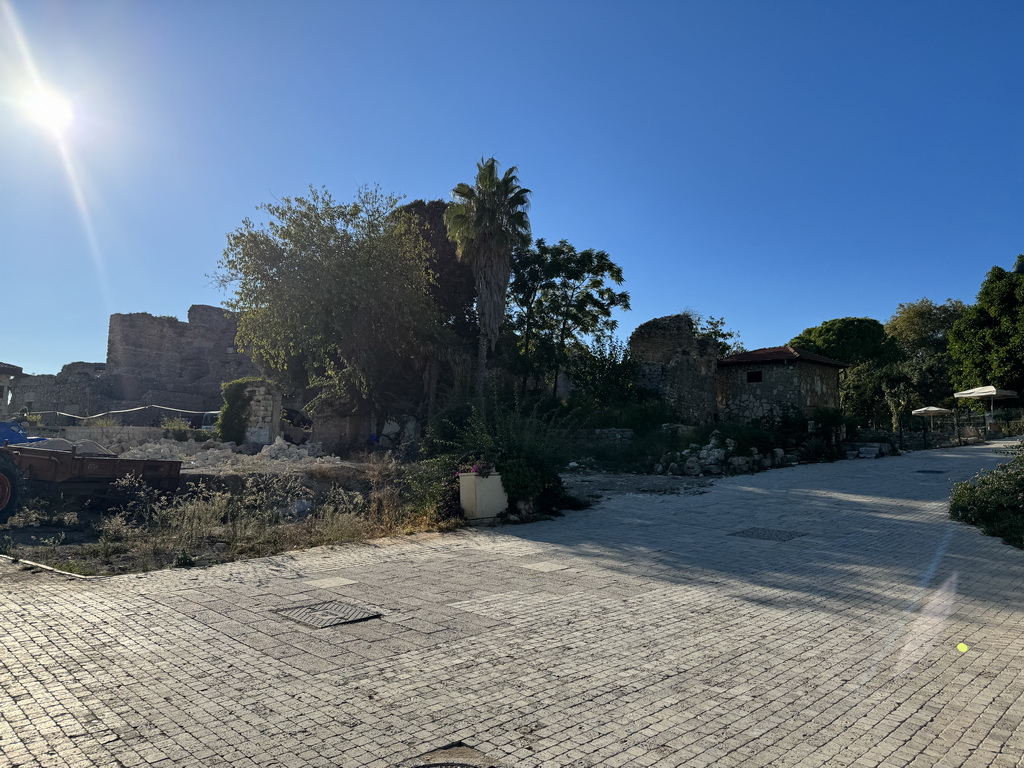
(594,486)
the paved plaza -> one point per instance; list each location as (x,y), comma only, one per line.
(641,632)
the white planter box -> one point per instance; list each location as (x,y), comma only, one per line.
(482,498)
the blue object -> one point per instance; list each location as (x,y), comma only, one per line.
(11,432)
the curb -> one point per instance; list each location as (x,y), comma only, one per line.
(51,569)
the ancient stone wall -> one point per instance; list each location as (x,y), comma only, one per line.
(678,366)
(765,391)
(150,361)
(264,424)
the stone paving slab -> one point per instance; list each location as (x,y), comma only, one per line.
(636,633)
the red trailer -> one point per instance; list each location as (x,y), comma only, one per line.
(76,473)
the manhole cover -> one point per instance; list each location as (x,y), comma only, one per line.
(930,471)
(768,534)
(328,614)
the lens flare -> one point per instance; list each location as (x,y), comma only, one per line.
(49,110)
(54,113)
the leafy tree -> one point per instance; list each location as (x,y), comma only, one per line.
(872,386)
(561,297)
(603,373)
(987,341)
(333,296)
(487,221)
(452,289)
(851,340)
(713,328)
(921,330)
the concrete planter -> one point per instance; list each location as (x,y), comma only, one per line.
(482,498)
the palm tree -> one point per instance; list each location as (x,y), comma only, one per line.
(486,222)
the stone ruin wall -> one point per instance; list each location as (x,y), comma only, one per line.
(678,366)
(150,361)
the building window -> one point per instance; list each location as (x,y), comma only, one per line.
(753,377)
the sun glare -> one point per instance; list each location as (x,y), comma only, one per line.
(49,110)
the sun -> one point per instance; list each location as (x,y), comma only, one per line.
(49,110)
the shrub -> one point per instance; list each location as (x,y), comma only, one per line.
(176,428)
(234,413)
(994,501)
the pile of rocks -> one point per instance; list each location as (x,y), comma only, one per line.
(720,457)
(285,451)
(213,454)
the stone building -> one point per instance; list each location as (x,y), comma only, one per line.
(150,361)
(677,365)
(766,383)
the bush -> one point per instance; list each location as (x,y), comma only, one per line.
(993,501)
(234,413)
(525,447)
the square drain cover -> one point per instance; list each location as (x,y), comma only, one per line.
(328,614)
(768,534)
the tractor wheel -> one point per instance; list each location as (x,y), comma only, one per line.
(12,487)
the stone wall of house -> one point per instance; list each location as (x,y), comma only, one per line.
(150,361)
(784,387)
(678,366)
(819,386)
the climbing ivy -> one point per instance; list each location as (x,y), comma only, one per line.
(234,413)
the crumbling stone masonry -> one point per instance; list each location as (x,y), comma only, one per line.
(678,366)
(150,361)
(264,423)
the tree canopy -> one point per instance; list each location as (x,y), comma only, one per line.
(921,331)
(333,296)
(560,299)
(850,340)
(987,341)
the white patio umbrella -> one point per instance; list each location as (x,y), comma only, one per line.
(931,411)
(993,394)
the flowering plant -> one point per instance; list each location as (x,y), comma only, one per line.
(480,467)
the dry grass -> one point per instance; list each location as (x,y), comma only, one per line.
(268,514)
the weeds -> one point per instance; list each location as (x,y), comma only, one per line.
(261,515)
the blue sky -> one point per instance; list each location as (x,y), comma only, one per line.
(777,164)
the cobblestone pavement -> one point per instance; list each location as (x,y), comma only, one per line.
(641,632)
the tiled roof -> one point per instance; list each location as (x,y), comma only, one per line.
(10,370)
(778,355)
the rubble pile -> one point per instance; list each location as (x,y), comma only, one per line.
(284,451)
(213,454)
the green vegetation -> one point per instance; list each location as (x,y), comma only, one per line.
(234,412)
(993,501)
(147,529)
(487,222)
(335,297)
(986,340)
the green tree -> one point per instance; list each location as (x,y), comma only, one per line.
(333,296)
(872,385)
(987,341)
(713,328)
(487,221)
(920,330)
(561,297)
(851,340)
